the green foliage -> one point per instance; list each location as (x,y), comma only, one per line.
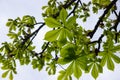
(64,25)
(51,68)
(68,43)
(51,22)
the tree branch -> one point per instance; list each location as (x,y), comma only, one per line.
(44,48)
(34,33)
(101,18)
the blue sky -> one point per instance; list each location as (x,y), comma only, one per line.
(15,8)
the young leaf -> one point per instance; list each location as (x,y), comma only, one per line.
(88,68)
(94,71)
(11,76)
(100,68)
(76,70)
(68,51)
(115,58)
(52,23)
(63,61)
(62,38)
(63,15)
(70,22)
(60,77)
(63,76)
(82,61)
(110,64)
(69,34)
(5,74)
(52,35)
(103,61)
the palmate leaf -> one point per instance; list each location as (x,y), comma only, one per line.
(62,38)
(75,67)
(100,68)
(103,61)
(64,61)
(52,35)
(95,68)
(116,48)
(52,23)
(65,75)
(70,22)
(82,61)
(63,15)
(88,68)
(59,34)
(110,64)
(67,54)
(11,76)
(115,58)
(69,35)
(94,71)
(76,70)
(68,50)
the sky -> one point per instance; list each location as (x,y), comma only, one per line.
(19,8)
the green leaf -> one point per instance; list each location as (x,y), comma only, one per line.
(94,71)
(69,69)
(52,23)
(62,38)
(110,64)
(4,75)
(103,61)
(70,22)
(11,76)
(104,2)
(95,1)
(12,35)
(115,58)
(68,51)
(52,35)
(116,48)
(61,75)
(95,9)
(64,61)
(82,61)
(28,20)
(88,68)
(69,34)
(76,70)
(9,23)
(63,15)
(100,68)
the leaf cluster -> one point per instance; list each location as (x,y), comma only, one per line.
(68,43)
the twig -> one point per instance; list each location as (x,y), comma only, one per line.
(81,3)
(115,13)
(39,23)
(76,5)
(44,48)
(61,67)
(34,33)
